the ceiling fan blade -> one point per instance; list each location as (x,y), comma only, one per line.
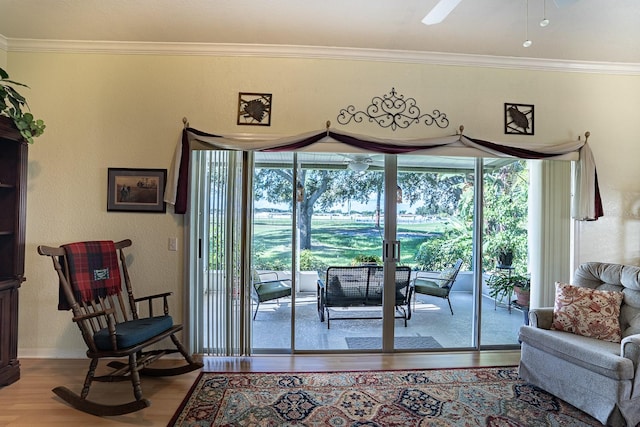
(440,11)
(563,3)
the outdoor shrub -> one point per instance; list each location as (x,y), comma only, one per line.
(309,262)
(438,253)
(362,258)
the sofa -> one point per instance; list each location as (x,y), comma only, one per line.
(598,376)
(361,286)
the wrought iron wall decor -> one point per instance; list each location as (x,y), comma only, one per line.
(518,119)
(393,111)
(254,109)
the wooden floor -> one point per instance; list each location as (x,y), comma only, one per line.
(30,402)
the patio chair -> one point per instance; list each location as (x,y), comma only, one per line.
(436,284)
(90,281)
(268,286)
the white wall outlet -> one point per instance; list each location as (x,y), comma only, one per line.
(173,244)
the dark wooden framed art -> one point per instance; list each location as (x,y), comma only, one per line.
(136,190)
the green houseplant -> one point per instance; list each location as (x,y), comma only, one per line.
(505,256)
(14,106)
(522,289)
(503,286)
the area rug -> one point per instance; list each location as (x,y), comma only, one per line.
(399,342)
(445,397)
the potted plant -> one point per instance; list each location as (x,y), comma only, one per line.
(522,289)
(505,256)
(503,286)
(13,106)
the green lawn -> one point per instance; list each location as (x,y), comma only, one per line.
(336,242)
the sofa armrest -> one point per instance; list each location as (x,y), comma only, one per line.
(541,317)
(630,349)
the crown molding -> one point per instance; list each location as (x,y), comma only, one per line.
(316,52)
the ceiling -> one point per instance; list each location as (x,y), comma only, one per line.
(588,30)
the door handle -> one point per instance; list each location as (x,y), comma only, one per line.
(391,250)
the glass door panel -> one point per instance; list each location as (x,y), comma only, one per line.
(340,227)
(435,227)
(505,250)
(273,291)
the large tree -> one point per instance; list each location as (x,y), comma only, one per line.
(321,188)
(505,221)
(439,192)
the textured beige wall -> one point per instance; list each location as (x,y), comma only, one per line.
(125,111)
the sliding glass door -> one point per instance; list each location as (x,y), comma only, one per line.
(284,229)
(275,286)
(435,222)
(505,259)
(315,215)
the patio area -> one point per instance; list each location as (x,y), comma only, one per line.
(431,327)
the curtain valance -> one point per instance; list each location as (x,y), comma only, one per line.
(587,204)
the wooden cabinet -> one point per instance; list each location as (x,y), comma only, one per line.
(13,203)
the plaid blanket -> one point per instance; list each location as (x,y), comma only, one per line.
(93,271)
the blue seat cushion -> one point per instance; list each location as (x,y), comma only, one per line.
(133,332)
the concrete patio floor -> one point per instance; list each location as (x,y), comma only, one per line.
(431,318)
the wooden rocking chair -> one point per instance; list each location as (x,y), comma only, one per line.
(90,285)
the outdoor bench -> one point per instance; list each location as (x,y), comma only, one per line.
(361,286)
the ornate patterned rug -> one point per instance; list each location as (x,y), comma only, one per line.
(444,397)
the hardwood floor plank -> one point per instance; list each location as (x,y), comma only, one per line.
(30,401)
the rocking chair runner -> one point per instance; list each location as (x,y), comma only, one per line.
(90,285)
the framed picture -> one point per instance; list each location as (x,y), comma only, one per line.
(254,109)
(136,190)
(518,119)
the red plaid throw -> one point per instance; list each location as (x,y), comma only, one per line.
(93,271)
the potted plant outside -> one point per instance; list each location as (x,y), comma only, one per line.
(503,286)
(505,257)
(522,289)
(14,106)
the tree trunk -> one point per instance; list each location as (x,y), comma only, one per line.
(305,212)
(305,208)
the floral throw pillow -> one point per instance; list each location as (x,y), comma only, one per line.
(587,312)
